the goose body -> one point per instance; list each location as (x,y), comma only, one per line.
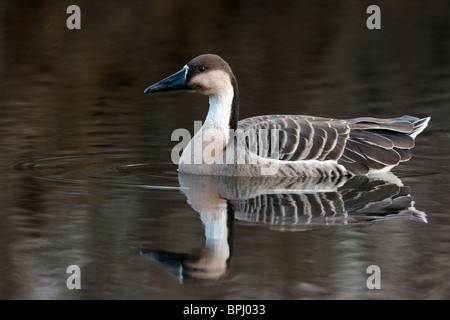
(282,145)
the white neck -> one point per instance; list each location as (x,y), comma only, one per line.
(213,136)
(220,109)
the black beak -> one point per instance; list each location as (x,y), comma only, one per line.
(177,81)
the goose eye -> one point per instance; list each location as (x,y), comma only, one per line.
(201,69)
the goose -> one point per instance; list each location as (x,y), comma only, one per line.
(282,145)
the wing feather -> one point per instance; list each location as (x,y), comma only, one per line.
(362,145)
(303,137)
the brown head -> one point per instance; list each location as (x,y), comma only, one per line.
(207,74)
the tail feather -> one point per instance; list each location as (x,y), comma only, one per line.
(418,124)
(377,145)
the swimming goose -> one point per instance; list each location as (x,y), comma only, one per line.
(282,145)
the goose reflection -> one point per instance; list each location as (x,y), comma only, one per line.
(283,204)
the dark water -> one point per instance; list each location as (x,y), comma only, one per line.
(86,177)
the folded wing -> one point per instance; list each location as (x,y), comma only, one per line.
(362,145)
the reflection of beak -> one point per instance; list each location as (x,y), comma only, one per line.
(167,259)
(177,81)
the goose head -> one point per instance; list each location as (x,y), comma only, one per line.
(210,75)
(207,74)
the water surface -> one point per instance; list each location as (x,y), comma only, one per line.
(86,177)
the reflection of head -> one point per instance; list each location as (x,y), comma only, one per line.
(206,266)
(212,262)
(208,263)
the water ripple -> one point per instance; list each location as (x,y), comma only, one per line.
(111,169)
